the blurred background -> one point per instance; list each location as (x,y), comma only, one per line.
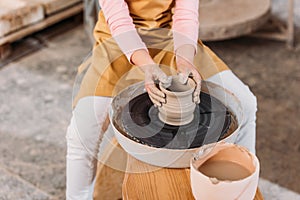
(43,42)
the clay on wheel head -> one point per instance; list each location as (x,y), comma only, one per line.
(141,123)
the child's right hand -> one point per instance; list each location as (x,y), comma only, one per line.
(153,73)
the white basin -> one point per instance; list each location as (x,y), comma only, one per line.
(163,157)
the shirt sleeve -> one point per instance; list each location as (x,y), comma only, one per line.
(121,26)
(185,23)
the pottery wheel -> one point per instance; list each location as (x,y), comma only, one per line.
(141,123)
(224,19)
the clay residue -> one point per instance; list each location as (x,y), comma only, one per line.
(233,126)
(226,162)
(224,170)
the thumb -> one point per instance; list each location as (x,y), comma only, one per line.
(183,77)
(161,76)
(165,80)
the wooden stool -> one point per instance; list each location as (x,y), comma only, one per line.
(141,180)
(109,179)
(158,183)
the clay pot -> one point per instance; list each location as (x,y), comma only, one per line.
(179,107)
(224,171)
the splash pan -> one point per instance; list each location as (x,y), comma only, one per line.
(142,135)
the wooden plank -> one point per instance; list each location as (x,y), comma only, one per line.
(270,35)
(15,14)
(54,6)
(290,25)
(5,51)
(42,24)
(278,24)
(158,183)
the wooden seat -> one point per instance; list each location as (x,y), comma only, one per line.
(158,183)
(110,173)
(141,180)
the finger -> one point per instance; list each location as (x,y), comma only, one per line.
(196,99)
(155,91)
(156,98)
(155,102)
(163,78)
(166,81)
(197,79)
(183,77)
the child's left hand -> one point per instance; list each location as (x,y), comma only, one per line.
(186,68)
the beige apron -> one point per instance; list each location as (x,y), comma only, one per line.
(108,70)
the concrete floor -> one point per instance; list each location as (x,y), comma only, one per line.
(35,107)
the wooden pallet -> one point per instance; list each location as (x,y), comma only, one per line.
(21,19)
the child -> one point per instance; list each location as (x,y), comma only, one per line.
(134,34)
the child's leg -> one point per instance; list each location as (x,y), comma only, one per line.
(231,82)
(84,135)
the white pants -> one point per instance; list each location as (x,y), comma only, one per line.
(85,134)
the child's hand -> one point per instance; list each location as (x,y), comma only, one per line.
(154,73)
(185,68)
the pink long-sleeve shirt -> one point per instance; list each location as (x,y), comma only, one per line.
(185,25)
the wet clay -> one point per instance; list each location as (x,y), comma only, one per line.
(177,87)
(141,122)
(224,170)
(179,107)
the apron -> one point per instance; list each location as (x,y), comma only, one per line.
(108,71)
